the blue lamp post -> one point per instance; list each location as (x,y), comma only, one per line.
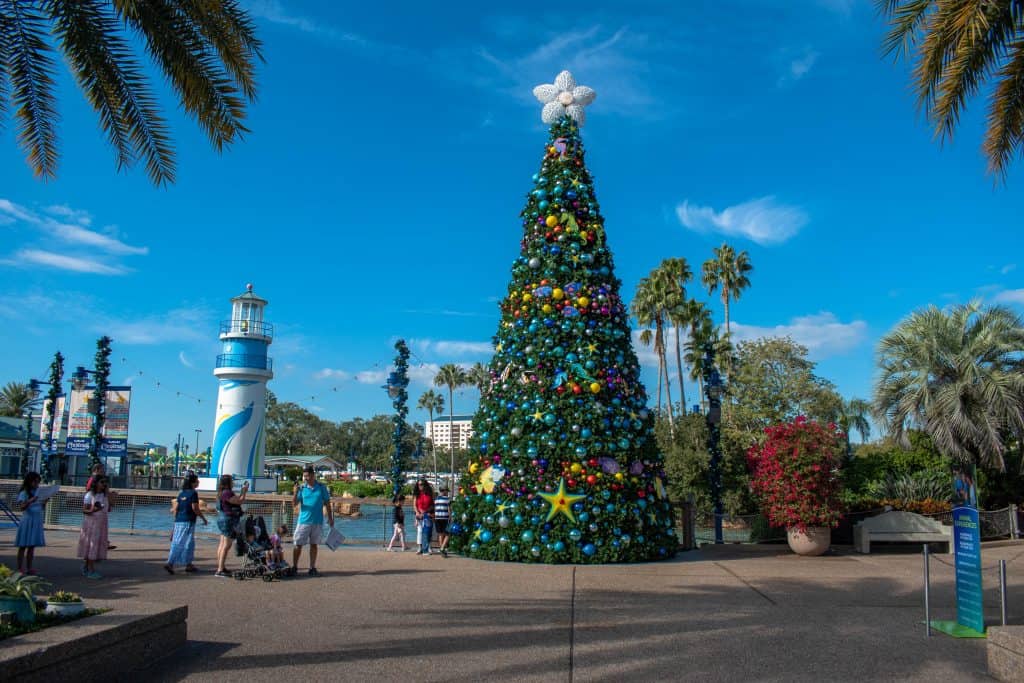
(713,389)
(396,388)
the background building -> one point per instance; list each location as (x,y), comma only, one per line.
(461,429)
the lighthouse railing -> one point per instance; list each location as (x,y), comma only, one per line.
(244,360)
(250,328)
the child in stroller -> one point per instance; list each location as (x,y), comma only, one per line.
(256,547)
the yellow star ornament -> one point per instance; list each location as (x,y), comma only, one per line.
(561,501)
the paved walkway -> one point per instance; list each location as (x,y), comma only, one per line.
(723,613)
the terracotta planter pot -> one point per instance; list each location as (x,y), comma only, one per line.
(65,609)
(814,540)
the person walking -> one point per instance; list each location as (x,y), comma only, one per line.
(92,540)
(229,514)
(30,528)
(399,520)
(185,509)
(424,505)
(312,498)
(442,515)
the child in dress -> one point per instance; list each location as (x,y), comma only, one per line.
(277,546)
(92,541)
(30,528)
(399,520)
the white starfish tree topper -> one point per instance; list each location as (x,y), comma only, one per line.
(564,98)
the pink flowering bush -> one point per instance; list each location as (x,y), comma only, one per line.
(795,474)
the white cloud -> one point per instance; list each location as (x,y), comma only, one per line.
(68,213)
(371,376)
(452,348)
(424,373)
(763,220)
(39,257)
(177,325)
(823,334)
(1007,268)
(841,7)
(799,67)
(330,373)
(1010,296)
(183,359)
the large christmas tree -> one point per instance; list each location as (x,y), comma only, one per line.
(565,467)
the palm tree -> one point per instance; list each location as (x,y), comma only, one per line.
(677,273)
(649,309)
(480,377)
(432,402)
(956,48)
(700,336)
(854,415)
(15,398)
(207,51)
(698,317)
(956,375)
(453,377)
(728,271)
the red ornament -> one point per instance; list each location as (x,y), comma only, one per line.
(591,479)
(571,482)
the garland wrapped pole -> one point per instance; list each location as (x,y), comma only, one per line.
(398,381)
(50,447)
(101,374)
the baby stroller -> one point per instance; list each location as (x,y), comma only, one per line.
(254,545)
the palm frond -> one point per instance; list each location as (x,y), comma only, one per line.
(30,69)
(905,19)
(1005,133)
(205,89)
(232,33)
(114,84)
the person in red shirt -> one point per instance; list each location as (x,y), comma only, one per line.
(424,505)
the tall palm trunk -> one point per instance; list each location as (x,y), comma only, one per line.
(663,367)
(433,444)
(679,367)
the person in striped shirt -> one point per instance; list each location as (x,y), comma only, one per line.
(442,513)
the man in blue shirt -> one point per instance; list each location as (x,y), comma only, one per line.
(312,498)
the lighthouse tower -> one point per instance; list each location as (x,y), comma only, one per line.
(243,369)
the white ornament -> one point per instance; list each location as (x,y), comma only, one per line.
(564,98)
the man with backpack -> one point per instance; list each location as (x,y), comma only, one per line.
(312,498)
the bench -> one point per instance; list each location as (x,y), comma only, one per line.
(906,527)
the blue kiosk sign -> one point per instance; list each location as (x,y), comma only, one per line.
(970,616)
(967,559)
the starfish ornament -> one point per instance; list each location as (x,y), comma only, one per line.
(564,98)
(561,502)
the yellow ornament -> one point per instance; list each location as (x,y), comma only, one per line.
(583,301)
(557,294)
(594,387)
(547,308)
(527,297)
(551,221)
(473,467)
(583,234)
(575,468)
(618,476)
(487,481)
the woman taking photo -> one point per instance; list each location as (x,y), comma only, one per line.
(185,509)
(229,514)
(92,541)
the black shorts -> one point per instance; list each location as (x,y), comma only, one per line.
(441,526)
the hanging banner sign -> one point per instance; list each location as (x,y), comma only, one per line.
(79,422)
(967,550)
(48,441)
(115,423)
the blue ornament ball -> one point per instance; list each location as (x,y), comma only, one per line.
(486,536)
(558,547)
(535,551)
(526,536)
(589,549)
(575,534)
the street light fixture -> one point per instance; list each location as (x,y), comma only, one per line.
(35,400)
(195,453)
(714,388)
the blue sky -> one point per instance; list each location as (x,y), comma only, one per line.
(378,196)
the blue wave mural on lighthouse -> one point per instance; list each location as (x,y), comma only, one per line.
(228,428)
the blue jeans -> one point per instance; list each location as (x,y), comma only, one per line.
(425,528)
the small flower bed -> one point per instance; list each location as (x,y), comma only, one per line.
(42,621)
(64,597)
(795,474)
